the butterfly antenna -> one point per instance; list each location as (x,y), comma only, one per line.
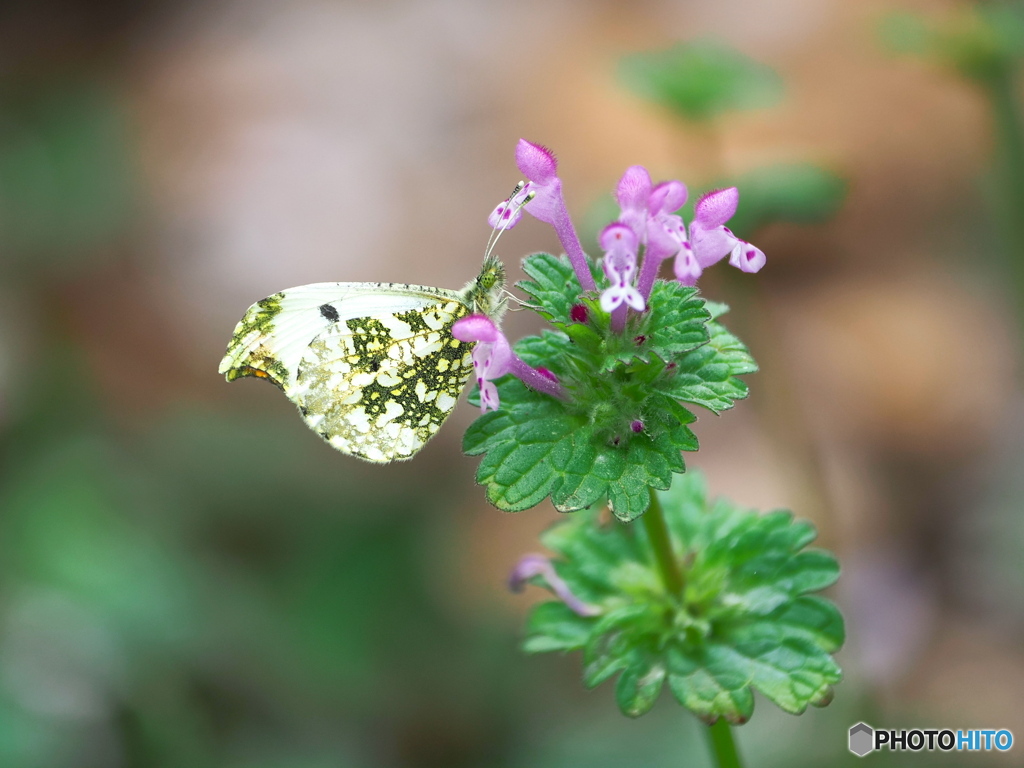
(497,231)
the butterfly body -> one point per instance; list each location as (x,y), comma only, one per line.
(373,367)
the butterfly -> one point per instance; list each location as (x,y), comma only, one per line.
(373,367)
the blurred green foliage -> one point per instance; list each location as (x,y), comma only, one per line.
(798,193)
(67,177)
(210,589)
(980,42)
(984,44)
(702,79)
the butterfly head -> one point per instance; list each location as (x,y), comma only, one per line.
(486,294)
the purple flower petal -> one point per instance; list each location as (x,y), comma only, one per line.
(612,298)
(634,189)
(710,245)
(505,216)
(528,566)
(667,197)
(488,396)
(538,565)
(687,268)
(633,298)
(497,357)
(747,257)
(665,235)
(618,236)
(475,328)
(716,207)
(536,162)
(493,358)
(547,204)
(539,165)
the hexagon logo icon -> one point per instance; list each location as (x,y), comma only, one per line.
(862,739)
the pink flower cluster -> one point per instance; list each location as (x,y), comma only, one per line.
(647,220)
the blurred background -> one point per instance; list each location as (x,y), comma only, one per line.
(189,577)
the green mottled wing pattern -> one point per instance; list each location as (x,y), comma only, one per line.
(380,387)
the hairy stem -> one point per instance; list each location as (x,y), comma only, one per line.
(661,543)
(566,232)
(618,323)
(723,748)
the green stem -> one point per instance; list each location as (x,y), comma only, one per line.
(722,745)
(661,543)
(1002,90)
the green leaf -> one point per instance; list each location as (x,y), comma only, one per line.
(702,79)
(553,627)
(676,322)
(788,668)
(813,618)
(716,308)
(706,683)
(535,448)
(607,653)
(554,287)
(707,376)
(639,686)
(746,620)
(529,446)
(595,555)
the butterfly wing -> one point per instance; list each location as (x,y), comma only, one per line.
(380,387)
(272,337)
(373,367)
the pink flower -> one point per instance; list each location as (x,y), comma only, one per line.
(711,240)
(649,212)
(538,565)
(493,358)
(539,165)
(491,355)
(541,196)
(619,243)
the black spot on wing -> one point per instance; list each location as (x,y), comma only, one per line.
(329,312)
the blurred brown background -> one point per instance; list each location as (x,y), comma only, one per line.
(190,578)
